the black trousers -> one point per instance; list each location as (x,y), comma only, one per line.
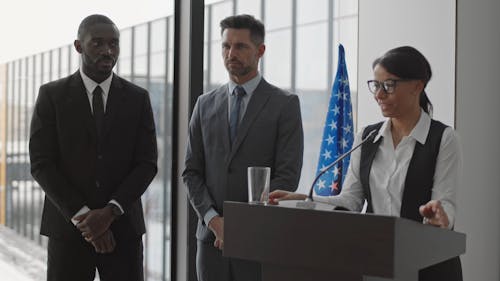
(76,260)
(212,266)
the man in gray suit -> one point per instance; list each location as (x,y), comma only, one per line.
(246,122)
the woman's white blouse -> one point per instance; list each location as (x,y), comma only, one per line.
(389,169)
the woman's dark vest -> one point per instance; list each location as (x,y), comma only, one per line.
(417,190)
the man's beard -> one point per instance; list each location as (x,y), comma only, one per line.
(239,71)
(94,63)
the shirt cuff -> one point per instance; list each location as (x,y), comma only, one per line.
(450,212)
(338,203)
(114,202)
(82,211)
(210,215)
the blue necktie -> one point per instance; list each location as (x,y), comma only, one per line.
(234,117)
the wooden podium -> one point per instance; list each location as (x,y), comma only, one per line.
(301,244)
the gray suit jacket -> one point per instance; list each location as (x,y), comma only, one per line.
(270,134)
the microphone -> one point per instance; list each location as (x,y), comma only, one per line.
(308,202)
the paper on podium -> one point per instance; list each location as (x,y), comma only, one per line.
(312,205)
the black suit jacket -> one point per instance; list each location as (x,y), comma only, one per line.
(74,170)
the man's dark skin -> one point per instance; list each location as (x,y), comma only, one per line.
(99,45)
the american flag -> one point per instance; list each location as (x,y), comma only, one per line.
(338,134)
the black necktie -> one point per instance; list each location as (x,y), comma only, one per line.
(234,117)
(98,108)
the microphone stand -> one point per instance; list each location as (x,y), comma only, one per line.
(309,203)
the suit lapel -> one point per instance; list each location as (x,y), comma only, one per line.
(259,98)
(114,103)
(79,103)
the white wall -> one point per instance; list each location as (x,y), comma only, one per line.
(478,117)
(427,25)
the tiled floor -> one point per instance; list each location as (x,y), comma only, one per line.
(20,259)
(13,273)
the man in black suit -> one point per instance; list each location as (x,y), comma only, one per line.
(245,122)
(93,151)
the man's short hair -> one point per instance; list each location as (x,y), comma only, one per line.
(256,27)
(91,20)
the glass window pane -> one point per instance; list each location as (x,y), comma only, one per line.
(206,67)
(312,49)
(10,109)
(250,7)
(346,8)
(158,65)
(170,53)
(278,14)
(24,122)
(75,60)
(219,12)
(156,199)
(314,102)
(124,68)
(22,82)
(140,52)
(30,93)
(345,33)
(140,67)
(46,67)
(126,43)
(31,76)
(64,61)
(218,72)
(206,38)
(15,110)
(38,72)
(206,24)
(158,33)
(277,58)
(54,64)
(306,12)
(124,60)
(141,39)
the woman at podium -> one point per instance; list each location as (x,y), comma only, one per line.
(410,166)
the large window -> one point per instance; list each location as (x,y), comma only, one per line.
(124,65)
(146,59)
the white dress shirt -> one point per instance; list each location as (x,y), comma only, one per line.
(249,87)
(389,169)
(90,86)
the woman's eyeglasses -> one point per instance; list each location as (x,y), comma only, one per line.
(388,85)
